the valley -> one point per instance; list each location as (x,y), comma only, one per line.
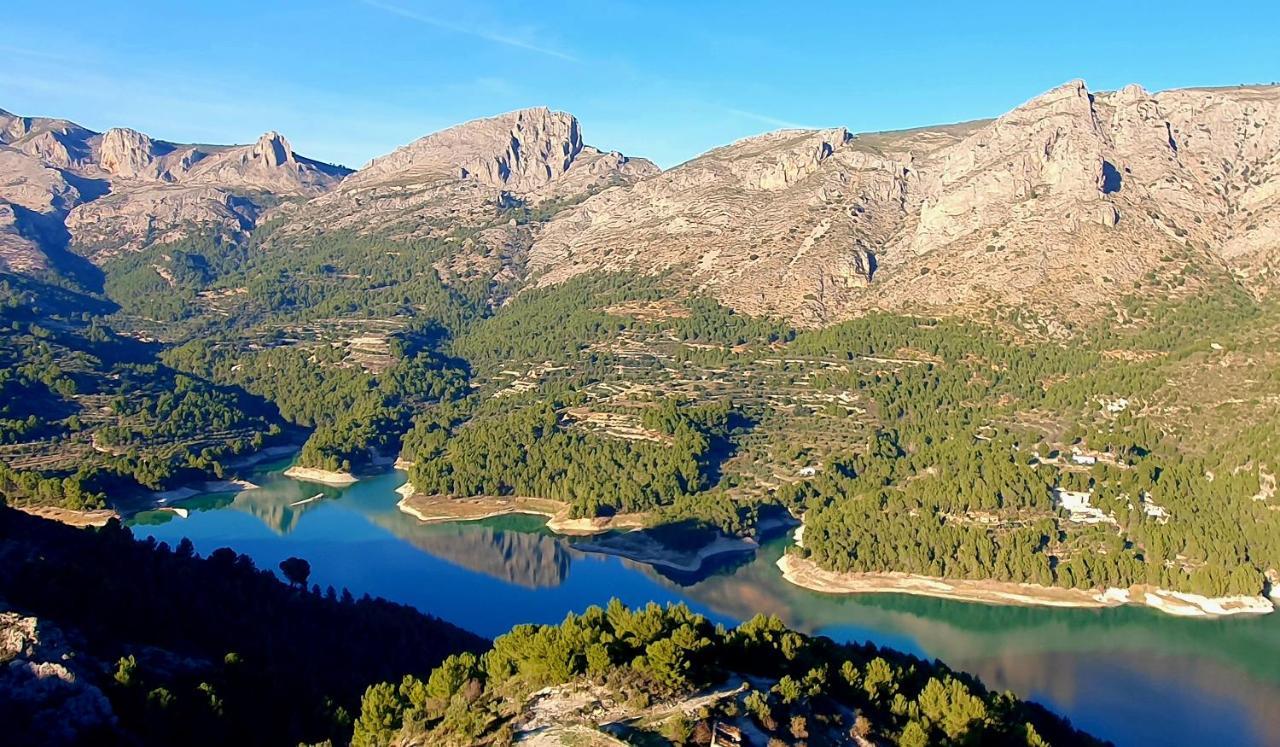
(1028,361)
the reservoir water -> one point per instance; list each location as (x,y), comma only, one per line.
(1131,675)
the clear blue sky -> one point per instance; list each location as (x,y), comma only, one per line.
(347,80)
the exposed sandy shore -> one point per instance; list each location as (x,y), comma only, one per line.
(200,488)
(95,518)
(562,524)
(435,509)
(323,476)
(806,573)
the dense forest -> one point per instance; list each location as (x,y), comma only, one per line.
(529,452)
(939,446)
(86,411)
(350,410)
(801,690)
(954,483)
(198,650)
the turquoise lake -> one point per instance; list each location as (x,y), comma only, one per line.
(1131,675)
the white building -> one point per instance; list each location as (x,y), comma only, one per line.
(1078,507)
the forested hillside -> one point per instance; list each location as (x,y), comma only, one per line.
(976,450)
(85,412)
(998,446)
(668,676)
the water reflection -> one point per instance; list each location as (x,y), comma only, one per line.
(1132,675)
(513,549)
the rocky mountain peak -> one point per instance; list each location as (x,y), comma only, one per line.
(1051,149)
(127,153)
(1072,90)
(1057,203)
(519,151)
(274,149)
(57,173)
(13,127)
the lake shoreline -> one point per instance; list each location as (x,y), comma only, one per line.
(98,517)
(322,476)
(807,574)
(190,490)
(434,509)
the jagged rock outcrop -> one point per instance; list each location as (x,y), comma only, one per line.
(1063,204)
(129,154)
(55,142)
(773,224)
(1049,148)
(26,181)
(470,176)
(519,152)
(269,165)
(123,190)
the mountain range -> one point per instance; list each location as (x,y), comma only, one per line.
(1058,206)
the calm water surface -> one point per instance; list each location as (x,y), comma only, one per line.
(1131,675)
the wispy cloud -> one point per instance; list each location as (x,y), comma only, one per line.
(772,121)
(469,30)
(39,54)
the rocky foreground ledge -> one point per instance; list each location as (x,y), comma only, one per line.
(806,573)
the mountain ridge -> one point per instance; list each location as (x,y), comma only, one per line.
(1060,205)
(105,193)
(860,229)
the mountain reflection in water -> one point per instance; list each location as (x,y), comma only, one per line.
(522,553)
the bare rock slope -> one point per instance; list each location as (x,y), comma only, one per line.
(475,175)
(62,185)
(1062,204)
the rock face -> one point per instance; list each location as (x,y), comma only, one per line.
(772,224)
(128,154)
(157,216)
(519,151)
(470,176)
(45,697)
(1062,204)
(18,253)
(524,153)
(63,186)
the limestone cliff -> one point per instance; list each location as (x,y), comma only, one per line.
(1062,204)
(121,190)
(474,175)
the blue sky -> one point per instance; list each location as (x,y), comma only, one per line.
(347,80)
